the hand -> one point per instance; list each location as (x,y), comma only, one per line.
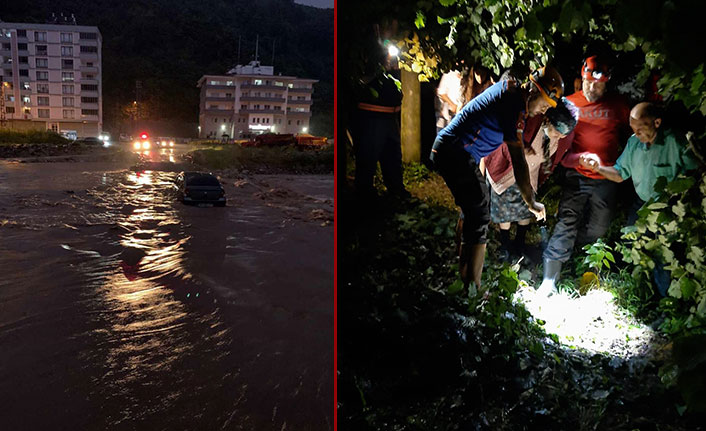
(590,161)
(538,210)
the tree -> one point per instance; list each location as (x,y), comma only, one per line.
(525,34)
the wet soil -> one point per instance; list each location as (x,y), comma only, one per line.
(121,308)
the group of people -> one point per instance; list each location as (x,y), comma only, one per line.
(497,142)
(498,148)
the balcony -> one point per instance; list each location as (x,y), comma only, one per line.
(262,99)
(264,87)
(299,102)
(88,69)
(219,87)
(299,114)
(219,99)
(85,55)
(261,111)
(301,90)
(218,111)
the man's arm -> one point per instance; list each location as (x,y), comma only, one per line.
(593,163)
(521,171)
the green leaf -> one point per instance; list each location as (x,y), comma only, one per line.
(687,286)
(698,80)
(679,209)
(456,287)
(674,289)
(496,39)
(521,33)
(657,206)
(447,3)
(680,185)
(566,17)
(420,21)
(533,26)
(701,308)
(475,19)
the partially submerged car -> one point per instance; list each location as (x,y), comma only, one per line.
(199,187)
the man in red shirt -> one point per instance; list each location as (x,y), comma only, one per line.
(588,199)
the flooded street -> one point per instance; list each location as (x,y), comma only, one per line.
(122,309)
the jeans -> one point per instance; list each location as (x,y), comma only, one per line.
(376,137)
(587,203)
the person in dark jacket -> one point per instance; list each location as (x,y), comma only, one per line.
(494,117)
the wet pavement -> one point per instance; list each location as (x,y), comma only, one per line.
(123,309)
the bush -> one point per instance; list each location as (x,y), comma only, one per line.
(672,229)
(285,159)
(31,137)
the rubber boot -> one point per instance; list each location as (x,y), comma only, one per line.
(471,263)
(552,268)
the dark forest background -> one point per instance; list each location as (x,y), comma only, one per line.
(169,44)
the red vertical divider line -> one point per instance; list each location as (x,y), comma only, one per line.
(335,216)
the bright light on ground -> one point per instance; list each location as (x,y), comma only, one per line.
(592,322)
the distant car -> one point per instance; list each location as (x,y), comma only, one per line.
(165,142)
(199,187)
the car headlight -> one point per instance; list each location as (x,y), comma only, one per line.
(146,145)
(171,143)
(136,145)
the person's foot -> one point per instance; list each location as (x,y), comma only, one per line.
(547,288)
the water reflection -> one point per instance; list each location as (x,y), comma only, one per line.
(152,328)
(158,315)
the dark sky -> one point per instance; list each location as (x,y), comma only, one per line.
(316,3)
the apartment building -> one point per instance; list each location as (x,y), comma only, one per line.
(250,99)
(51,78)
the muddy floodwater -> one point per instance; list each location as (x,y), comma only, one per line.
(123,309)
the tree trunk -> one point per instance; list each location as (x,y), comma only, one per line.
(411,134)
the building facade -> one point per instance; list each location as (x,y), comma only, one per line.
(51,77)
(251,100)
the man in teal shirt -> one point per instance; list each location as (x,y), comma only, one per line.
(650,153)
